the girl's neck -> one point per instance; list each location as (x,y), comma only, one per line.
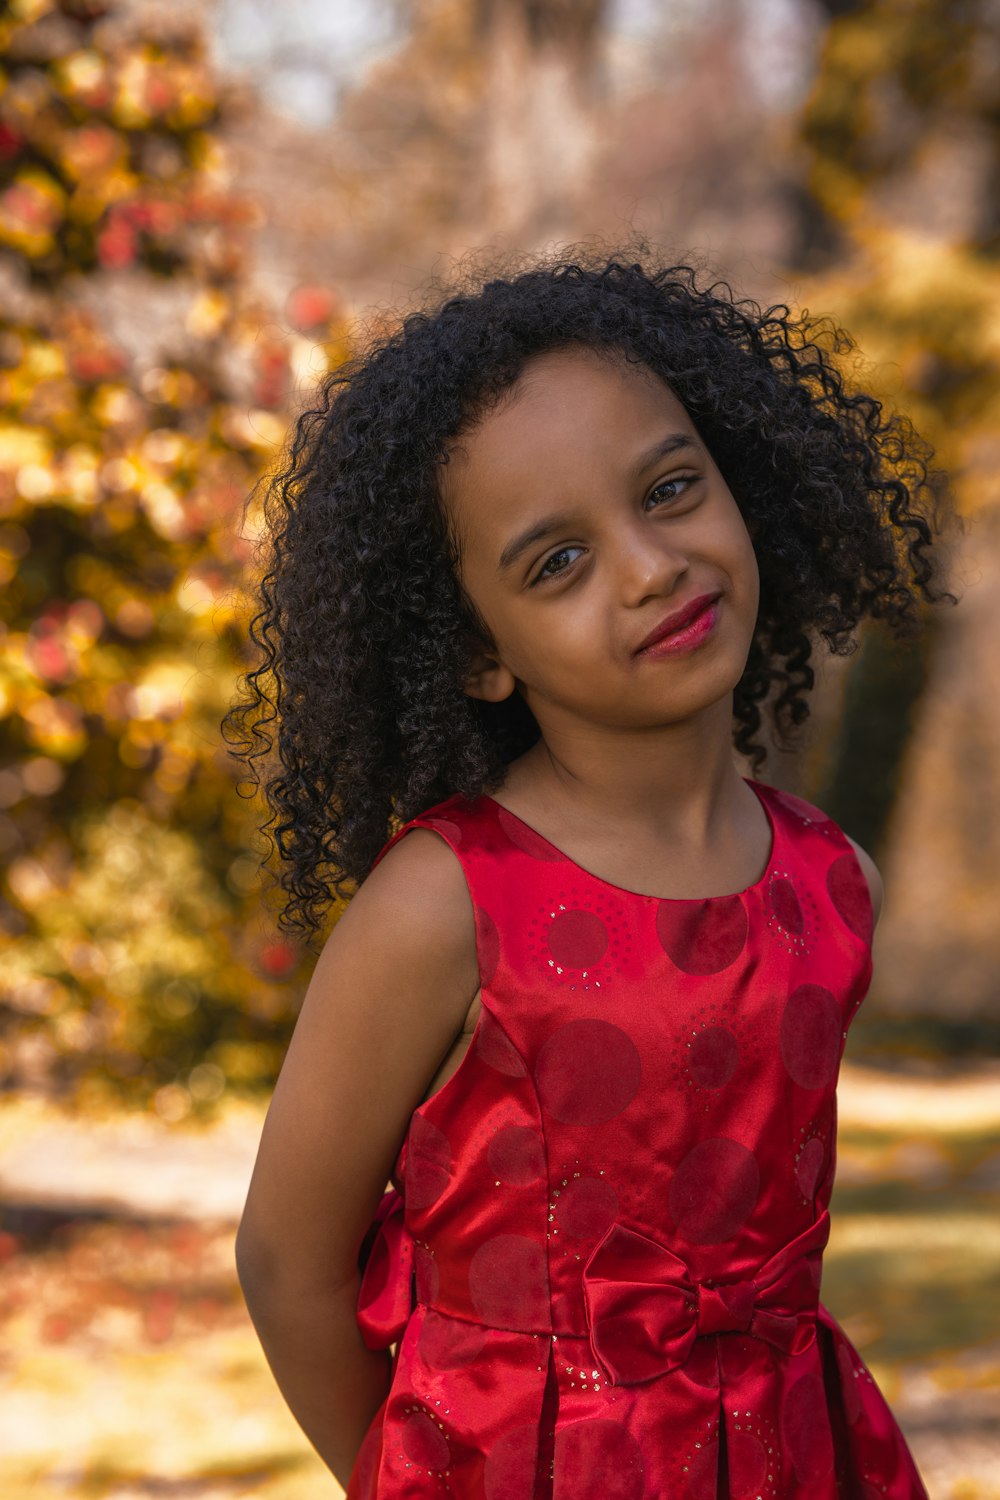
(687,790)
(699,817)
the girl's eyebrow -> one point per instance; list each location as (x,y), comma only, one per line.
(541,528)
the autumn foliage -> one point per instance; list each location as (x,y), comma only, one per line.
(145,385)
(144,388)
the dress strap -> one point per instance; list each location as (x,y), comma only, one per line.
(825,847)
(470,830)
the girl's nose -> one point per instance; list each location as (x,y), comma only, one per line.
(648,564)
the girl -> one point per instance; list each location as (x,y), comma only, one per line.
(539,558)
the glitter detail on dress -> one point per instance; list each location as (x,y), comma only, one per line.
(600,1265)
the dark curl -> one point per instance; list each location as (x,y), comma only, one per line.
(363,632)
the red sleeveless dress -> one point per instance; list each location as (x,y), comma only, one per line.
(600,1259)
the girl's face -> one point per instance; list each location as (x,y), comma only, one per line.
(587,509)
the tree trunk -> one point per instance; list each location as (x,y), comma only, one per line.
(540,133)
(937,947)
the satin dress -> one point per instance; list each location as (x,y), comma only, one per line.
(600,1258)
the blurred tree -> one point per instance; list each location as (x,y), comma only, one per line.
(540,128)
(483,122)
(136,956)
(903,134)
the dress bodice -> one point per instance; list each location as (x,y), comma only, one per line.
(600,1260)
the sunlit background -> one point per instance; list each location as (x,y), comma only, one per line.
(200,204)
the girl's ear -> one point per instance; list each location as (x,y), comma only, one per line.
(486,677)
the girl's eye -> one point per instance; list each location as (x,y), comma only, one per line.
(667,484)
(543,574)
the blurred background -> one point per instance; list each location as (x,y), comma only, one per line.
(200,206)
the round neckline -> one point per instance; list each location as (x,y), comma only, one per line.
(760,790)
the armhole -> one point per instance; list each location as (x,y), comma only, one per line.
(487,958)
(811,820)
(434,826)
(864,889)
(413,823)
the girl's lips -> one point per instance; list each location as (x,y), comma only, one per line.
(679,619)
(689,636)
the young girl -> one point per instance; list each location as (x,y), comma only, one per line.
(539,559)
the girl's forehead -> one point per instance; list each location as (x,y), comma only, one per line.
(574,401)
(575,423)
(548,377)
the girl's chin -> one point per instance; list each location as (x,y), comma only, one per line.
(701,693)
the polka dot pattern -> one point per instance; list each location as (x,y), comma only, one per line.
(495,1048)
(805,1429)
(510,1465)
(588,1072)
(804,812)
(428,1163)
(508,1283)
(734,1041)
(597,1460)
(702,937)
(446,826)
(588,1206)
(516,1155)
(449,1343)
(792,913)
(701,1473)
(786,906)
(715,1056)
(747,1459)
(714,1189)
(526,839)
(809,1167)
(424,1443)
(577,939)
(428,1277)
(668,1066)
(850,895)
(810,1035)
(487,946)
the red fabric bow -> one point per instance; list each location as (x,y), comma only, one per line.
(385,1297)
(644,1311)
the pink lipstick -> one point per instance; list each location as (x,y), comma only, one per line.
(688,635)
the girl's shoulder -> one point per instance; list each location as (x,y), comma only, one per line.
(462,883)
(461,821)
(496,849)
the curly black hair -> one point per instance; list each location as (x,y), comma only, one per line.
(363,630)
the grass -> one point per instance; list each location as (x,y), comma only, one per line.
(129,1369)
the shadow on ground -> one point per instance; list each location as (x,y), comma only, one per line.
(130,1371)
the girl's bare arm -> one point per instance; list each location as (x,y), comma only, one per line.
(387,998)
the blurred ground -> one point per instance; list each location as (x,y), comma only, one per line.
(143,406)
(129,1370)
